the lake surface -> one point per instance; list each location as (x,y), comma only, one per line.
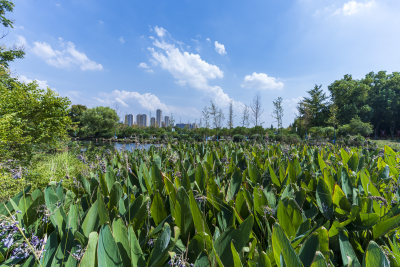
(115,145)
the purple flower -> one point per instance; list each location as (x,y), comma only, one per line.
(8,241)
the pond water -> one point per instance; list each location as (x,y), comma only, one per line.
(115,145)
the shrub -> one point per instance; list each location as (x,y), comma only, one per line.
(238,138)
(256,137)
(359,127)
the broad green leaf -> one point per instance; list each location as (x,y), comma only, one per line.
(115,195)
(239,237)
(234,185)
(236,257)
(157,210)
(385,226)
(183,215)
(319,260)
(374,256)
(156,177)
(346,250)
(274,178)
(200,177)
(73,218)
(160,252)
(89,258)
(202,261)
(281,245)
(91,221)
(107,250)
(308,250)
(120,233)
(253,173)
(198,218)
(324,199)
(289,216)
(136,252)
(49,250)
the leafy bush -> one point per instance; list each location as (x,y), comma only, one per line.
(30,118)
(356,127)
(238,138)
(256,137)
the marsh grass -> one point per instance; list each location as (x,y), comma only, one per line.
(60,166)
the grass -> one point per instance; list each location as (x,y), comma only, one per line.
(43,169)
(395,144)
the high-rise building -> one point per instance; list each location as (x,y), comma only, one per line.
(158,115)
(129,119)
(138,119)
(141,120)
(166,120)
(153,122)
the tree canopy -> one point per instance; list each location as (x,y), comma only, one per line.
(99,122)
(30,117)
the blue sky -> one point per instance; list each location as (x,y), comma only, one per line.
(137,56)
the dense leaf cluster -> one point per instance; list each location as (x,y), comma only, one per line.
(217,204)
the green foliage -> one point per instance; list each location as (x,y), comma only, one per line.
(29,118)
(219,204)
(99,122)
(313,110)
(8,55)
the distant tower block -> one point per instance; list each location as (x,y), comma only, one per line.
(166,121)
(158,115)
(129,119)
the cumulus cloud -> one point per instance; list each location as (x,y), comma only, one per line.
(66,57)
(145,66)
(121,40)
(42,83)
(261,81)
(220,48)
(353,7)
(188,69)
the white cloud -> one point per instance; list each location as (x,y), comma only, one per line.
(160,31)
(21,41)
(261,81)
(145,66)
(208,39)
(147,101)
(42,83)
(68,56)
(220,48)
(121,40)
(353,7)
(188,69)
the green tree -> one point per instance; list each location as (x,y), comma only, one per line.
(99,122)
(277,113)
(351,99)
(30,117)
(314,110)
(8,55)
(384,99)
(75,113)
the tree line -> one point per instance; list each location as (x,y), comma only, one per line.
(370,105)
